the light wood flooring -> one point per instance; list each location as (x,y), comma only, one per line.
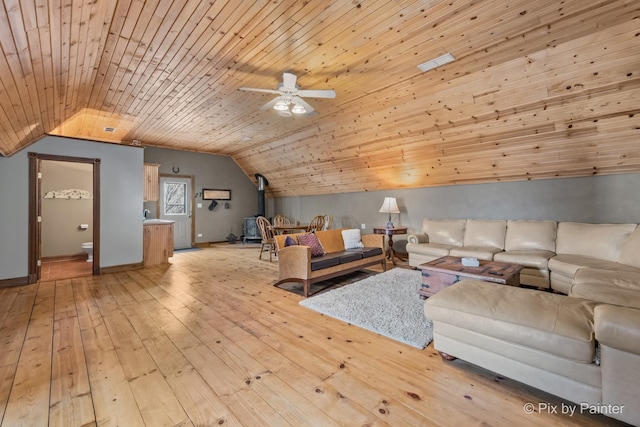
(208,341)
(65,269)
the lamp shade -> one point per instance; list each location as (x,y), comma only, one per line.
(389,205)
(281,106)
(298,109)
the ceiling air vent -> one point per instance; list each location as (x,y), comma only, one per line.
(434,63)
(109,129)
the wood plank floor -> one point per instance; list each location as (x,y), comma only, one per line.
(65,269)
(208,341)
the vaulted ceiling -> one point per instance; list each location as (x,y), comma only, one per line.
(539,89)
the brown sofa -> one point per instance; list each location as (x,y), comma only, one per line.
(295,263)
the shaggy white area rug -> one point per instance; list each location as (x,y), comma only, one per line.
(386,303)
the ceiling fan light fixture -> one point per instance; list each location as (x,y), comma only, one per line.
(281,106)
(298,109)
(290,96)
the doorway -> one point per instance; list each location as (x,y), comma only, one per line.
(176,204)
(36,210)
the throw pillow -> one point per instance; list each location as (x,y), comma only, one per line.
(289,241)
(312,241)
(352,239)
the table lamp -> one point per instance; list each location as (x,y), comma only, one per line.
(389,206)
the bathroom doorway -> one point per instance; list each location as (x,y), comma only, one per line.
(64,213)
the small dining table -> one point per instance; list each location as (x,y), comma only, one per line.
(289,228)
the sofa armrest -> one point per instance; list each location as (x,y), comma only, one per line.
(373,240)
(617,327)
(417,238)
(294,262)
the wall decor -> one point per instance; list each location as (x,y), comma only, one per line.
(212,194)
(71,193)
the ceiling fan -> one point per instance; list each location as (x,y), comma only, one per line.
(289,100)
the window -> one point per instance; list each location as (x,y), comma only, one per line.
(175,198)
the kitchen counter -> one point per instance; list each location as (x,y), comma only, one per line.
(157,241)
(157,221)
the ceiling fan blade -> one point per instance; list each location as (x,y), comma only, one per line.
(298,100)
(289,81)
(253,89)
(317,93)
(271,103)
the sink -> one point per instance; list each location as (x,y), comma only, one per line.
(157,221)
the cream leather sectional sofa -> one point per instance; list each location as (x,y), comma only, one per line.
(600,262)
(546,340)
(580,342)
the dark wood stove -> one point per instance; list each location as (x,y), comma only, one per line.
(250,229)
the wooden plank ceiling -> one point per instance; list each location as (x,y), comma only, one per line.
(539,89)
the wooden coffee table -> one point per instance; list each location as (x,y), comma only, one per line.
(445,271)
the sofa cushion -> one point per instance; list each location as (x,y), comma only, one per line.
(290,241)
(324,261)
(552,323)
(602,241)
(530,235)
(485,233)
(432,249)
(611,287)
(568,265)
(608,294)
(331,240)
(445,232)
(533,258)
(312,241)
(349,256)
(618,327)
(480,252)
(367,252)
(630,253)
(352,239)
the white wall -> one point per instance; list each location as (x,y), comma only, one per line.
(121,173)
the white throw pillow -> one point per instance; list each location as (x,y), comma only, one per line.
(352,239)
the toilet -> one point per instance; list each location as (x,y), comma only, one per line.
(88,248)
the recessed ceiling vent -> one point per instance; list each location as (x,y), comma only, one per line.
(435,63)
(109,129)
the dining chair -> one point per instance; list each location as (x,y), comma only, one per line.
(267,237)
(280,220)
(316,223)
(328,222)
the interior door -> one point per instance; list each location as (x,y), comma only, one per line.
(175,205)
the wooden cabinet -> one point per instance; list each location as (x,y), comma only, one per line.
(151,182)
(157,243)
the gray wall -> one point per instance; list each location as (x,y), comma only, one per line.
(596,199)
(209,171)
(120,208)
(61,218)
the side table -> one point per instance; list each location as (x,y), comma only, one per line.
(390,232)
